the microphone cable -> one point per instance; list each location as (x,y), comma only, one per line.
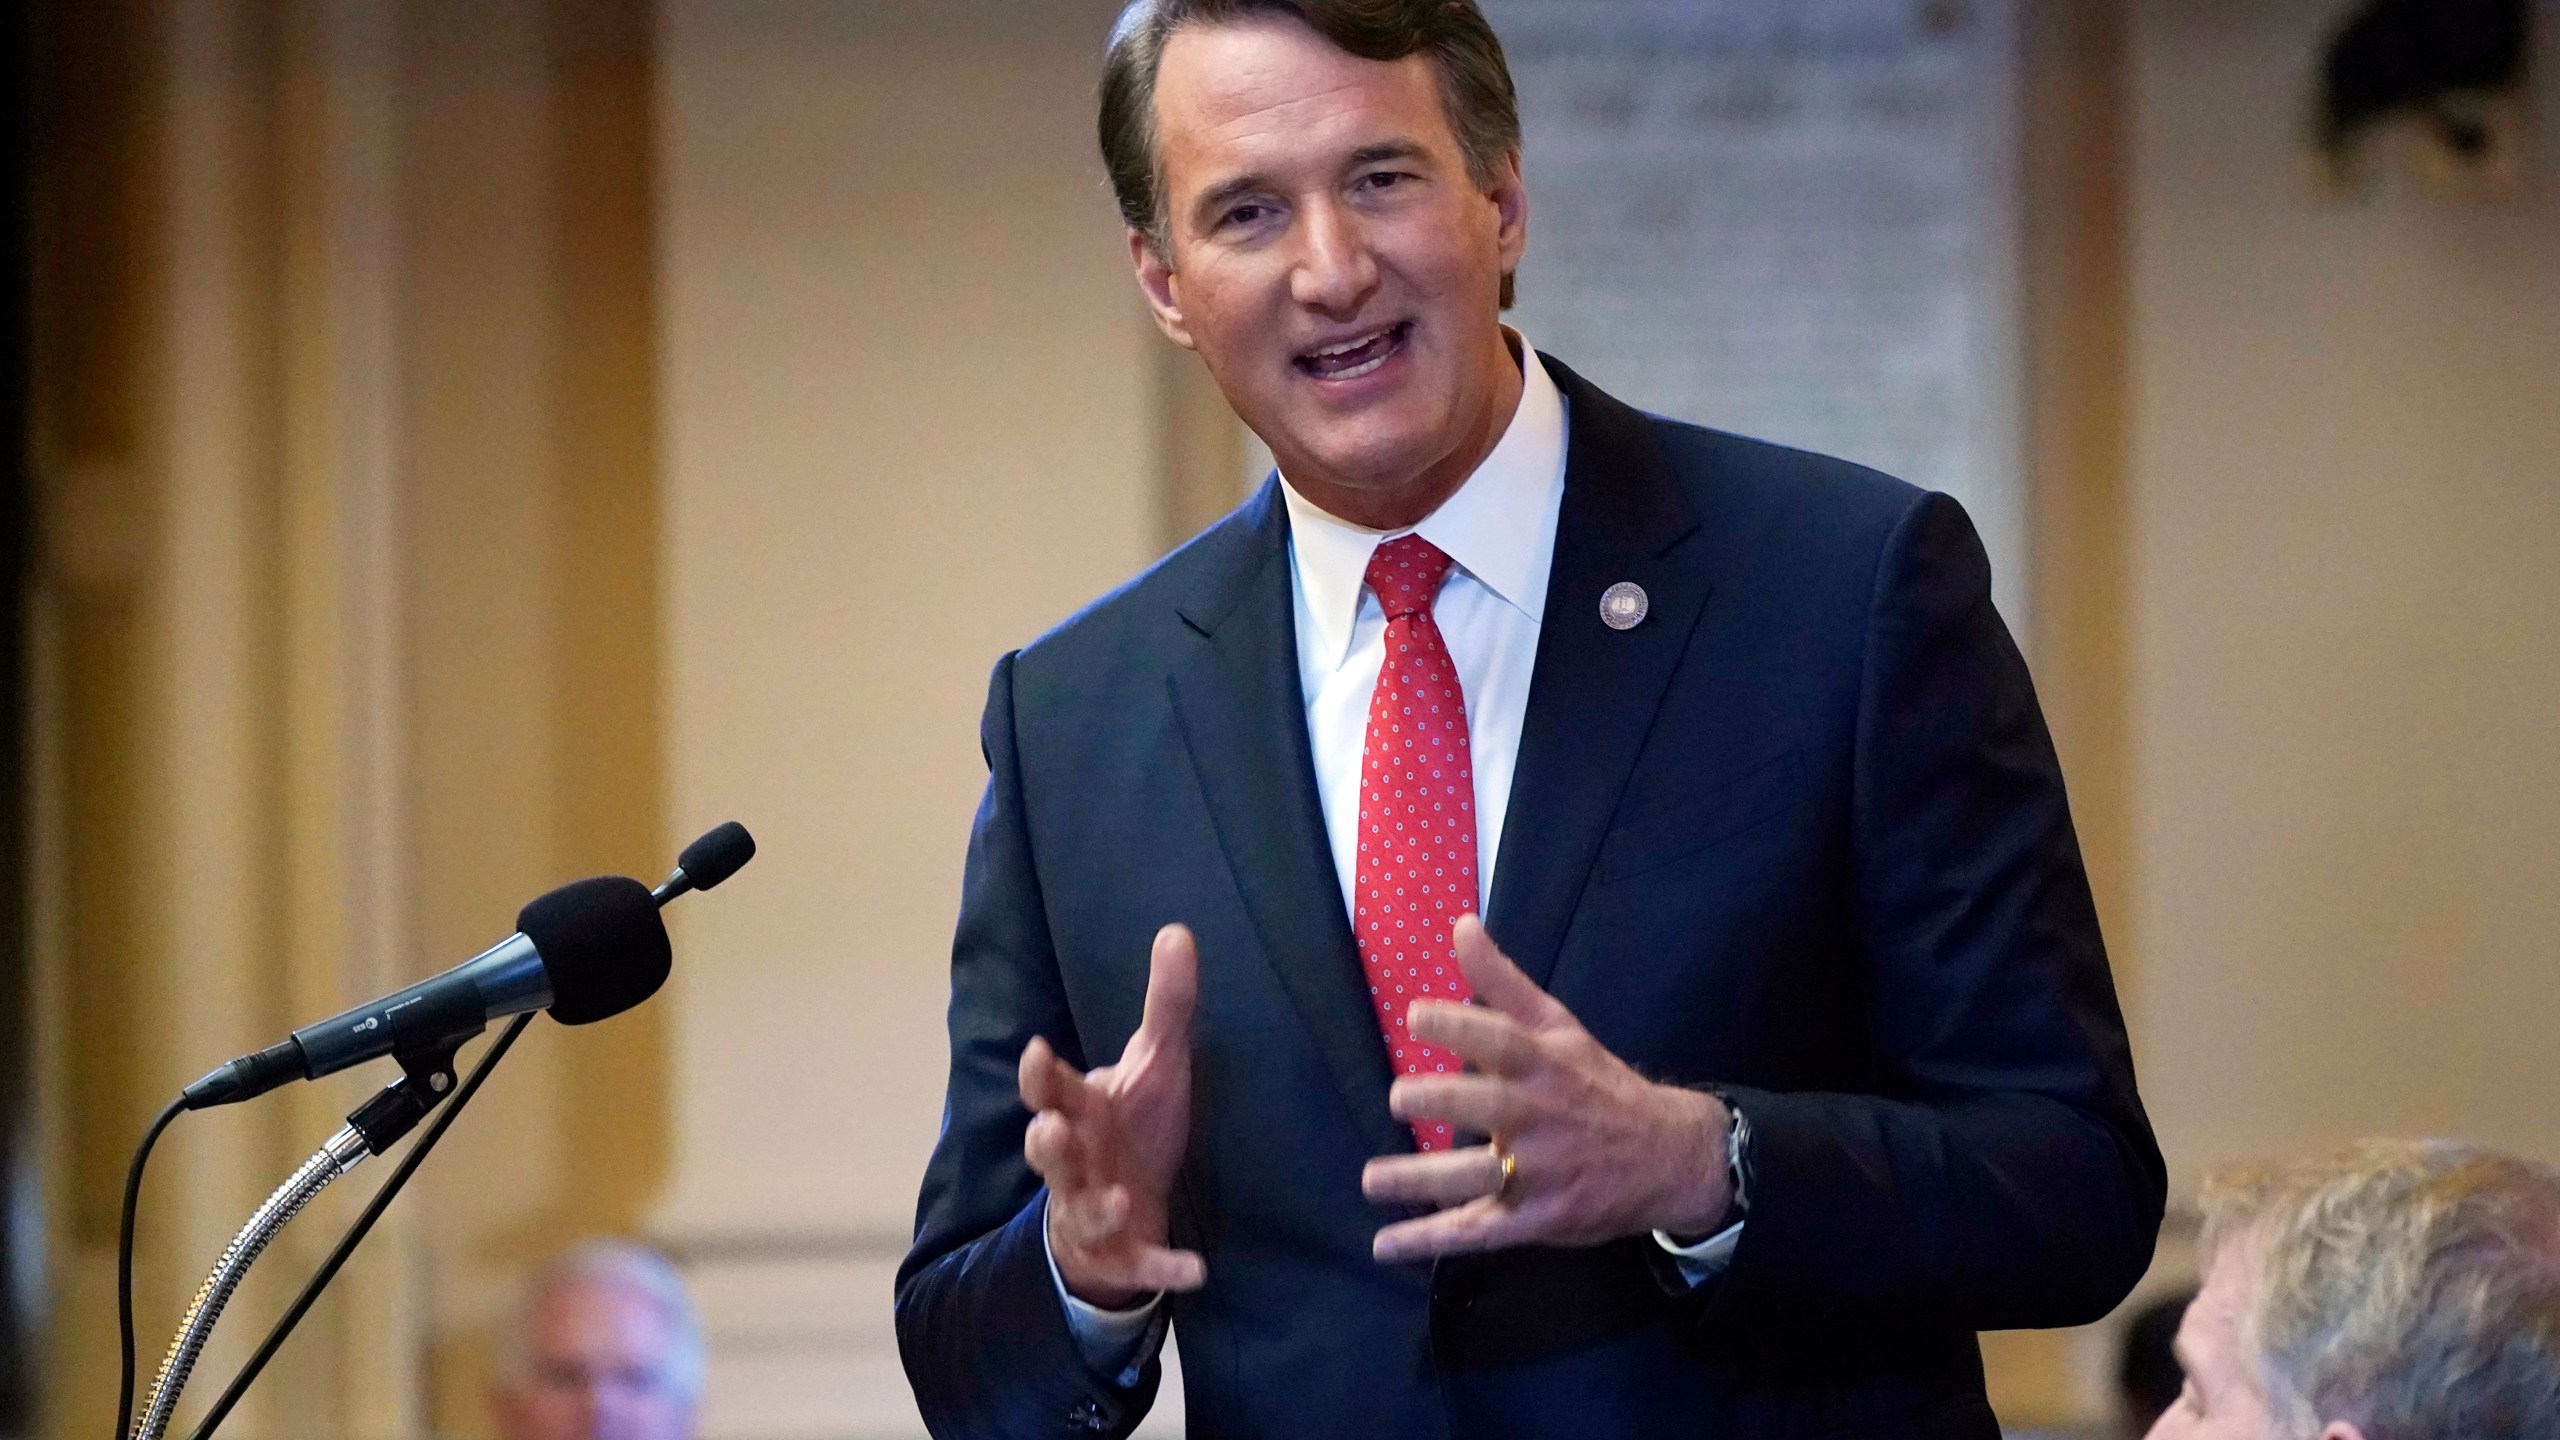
(124,1259)
(356,1232)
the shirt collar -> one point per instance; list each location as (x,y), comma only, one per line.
(1499,527)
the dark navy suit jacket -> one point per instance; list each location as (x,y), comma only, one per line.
(1799,836)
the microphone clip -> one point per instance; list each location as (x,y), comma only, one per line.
(426,1039)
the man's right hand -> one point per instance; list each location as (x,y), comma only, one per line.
(1108,1143)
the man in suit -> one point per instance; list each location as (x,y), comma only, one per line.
(1784,1057)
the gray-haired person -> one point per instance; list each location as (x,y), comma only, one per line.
(603,1347)
(2405,1290)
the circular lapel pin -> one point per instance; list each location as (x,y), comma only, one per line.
(1622,605)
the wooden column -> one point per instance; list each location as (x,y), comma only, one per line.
(2073,172)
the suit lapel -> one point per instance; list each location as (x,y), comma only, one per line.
(1243,717)
(1594,691)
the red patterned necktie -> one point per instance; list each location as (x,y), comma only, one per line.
(1417,864)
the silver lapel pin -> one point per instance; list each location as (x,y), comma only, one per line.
(1622,605)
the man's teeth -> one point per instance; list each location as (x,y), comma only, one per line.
(1379,346)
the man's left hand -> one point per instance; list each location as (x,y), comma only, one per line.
(1598,1151)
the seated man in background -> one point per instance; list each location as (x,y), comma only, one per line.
(603,1347)
(2400,1291)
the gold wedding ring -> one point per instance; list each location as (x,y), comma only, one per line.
(1510,1170)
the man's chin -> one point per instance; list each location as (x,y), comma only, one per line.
(1380,452)
(1386,472)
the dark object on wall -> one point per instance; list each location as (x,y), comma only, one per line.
(2421,58)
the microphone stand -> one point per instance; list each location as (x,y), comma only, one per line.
(425,1039)
(347,1243)
(427,1042)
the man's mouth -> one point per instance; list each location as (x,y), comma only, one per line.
(1353,358)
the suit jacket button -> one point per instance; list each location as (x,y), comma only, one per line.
(1087,1416)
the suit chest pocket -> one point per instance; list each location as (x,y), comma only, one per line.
(1665,833)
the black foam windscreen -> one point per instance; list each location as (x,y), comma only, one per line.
(602,944)
(717,855)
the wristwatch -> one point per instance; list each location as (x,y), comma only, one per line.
(1737,1169)
(1737,1156)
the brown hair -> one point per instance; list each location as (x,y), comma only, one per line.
(1475,83)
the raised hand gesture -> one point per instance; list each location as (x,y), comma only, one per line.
(1108,1143)
(1595,1149)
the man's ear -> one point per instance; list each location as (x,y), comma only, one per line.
(1510,196)
(1155,281)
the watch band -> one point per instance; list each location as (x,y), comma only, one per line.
(1737,1156)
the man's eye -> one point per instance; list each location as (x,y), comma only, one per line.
(1244,215)
(1384,179)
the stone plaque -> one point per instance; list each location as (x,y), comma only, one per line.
(1796,221)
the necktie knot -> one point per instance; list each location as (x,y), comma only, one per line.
(1405,574)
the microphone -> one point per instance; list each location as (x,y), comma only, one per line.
(588,950)
(582,951)
(708,861)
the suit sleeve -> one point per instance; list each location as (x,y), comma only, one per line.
(981,1330)
(2005,1175)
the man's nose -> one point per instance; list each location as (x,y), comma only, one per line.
(1336,273)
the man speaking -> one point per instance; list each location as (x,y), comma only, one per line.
(1783,1056)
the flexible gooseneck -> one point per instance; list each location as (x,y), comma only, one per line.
(599,948)
(343,1153)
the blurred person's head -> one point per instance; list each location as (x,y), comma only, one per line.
(603,1347)
(1324,201)
(2399,1291)
(2147,1375)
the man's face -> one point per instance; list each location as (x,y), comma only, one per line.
(598,1370)
(2223,1399)
(1331,260)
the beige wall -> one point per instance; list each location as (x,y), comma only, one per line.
(907,417)
(2345,508)
(911,405)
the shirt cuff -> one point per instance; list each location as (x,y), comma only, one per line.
(1705,1260)
(1116,1343)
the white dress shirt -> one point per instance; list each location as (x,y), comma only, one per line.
(1500,530)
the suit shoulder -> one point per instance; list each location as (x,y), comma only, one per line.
(1136,622)
(1798,490)
(1812,532)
